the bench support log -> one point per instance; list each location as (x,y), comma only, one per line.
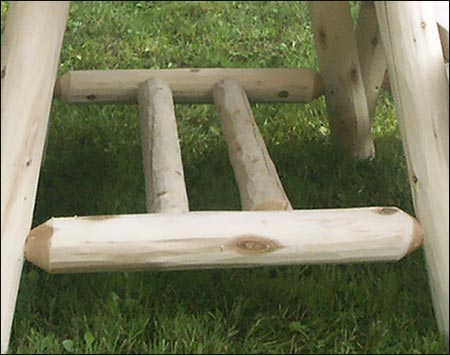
(371,54)
(163,167)
(204,240)
(259,185)
(338,57)
(190,85)
(31,47)
(420,87)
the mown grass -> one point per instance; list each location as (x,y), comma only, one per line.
(93,166)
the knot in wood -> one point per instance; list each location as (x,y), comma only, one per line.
(283,94)
(255,245)
(388,211)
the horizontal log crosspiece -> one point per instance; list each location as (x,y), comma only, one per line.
(202,240)
(189,85)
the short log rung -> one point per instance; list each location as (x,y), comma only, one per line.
(163,168)
(259,185)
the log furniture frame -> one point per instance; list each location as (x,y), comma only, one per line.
(400,36)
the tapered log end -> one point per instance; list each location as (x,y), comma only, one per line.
(367,153)
(37,246)
(62,87)
(417,238)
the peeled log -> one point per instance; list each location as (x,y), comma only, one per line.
(31,46)
(202,240)
(371,54)
(259,185)
(163,167)
(189,85)
(420,88)
(337,53)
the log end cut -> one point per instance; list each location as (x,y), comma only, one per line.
(62,87)
(37,246)
(417,237)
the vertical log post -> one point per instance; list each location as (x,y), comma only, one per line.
(163,167)
(339,63)
(416,70)
(259,185)
(30,53)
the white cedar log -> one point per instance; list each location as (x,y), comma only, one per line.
(416,70)
(443,34)
(259,185)
(201,240)
(371,54)
(190,85)
(30,52)
(441,11)
(163,167)
(333,29)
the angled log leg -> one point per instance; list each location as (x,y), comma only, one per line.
(31,47)
(339,63)
(256,175)
(371,54)
(420,87)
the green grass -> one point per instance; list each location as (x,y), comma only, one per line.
(93,166)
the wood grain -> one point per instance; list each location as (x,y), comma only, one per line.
(31,47)
(260,187)
(163,166)
(339,62)
(189,85)
(202,240)
(420,87)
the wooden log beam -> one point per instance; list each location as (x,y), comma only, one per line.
(257,178)
(441,9)
(201,240)
(420,87)
(371,54)
(444,36)
(163,167)
(30,53)
(189,85)
(337,52)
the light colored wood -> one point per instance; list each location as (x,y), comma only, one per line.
(190,85)
(416,70)
(444,36)
(371,54)
(257,178)
(30,52)
(163,167)
(200,240)
(333,29)
(441,11)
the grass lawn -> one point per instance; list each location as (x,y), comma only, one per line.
(93,166)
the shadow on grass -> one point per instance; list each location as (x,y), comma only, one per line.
(84,176)
(90,172)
